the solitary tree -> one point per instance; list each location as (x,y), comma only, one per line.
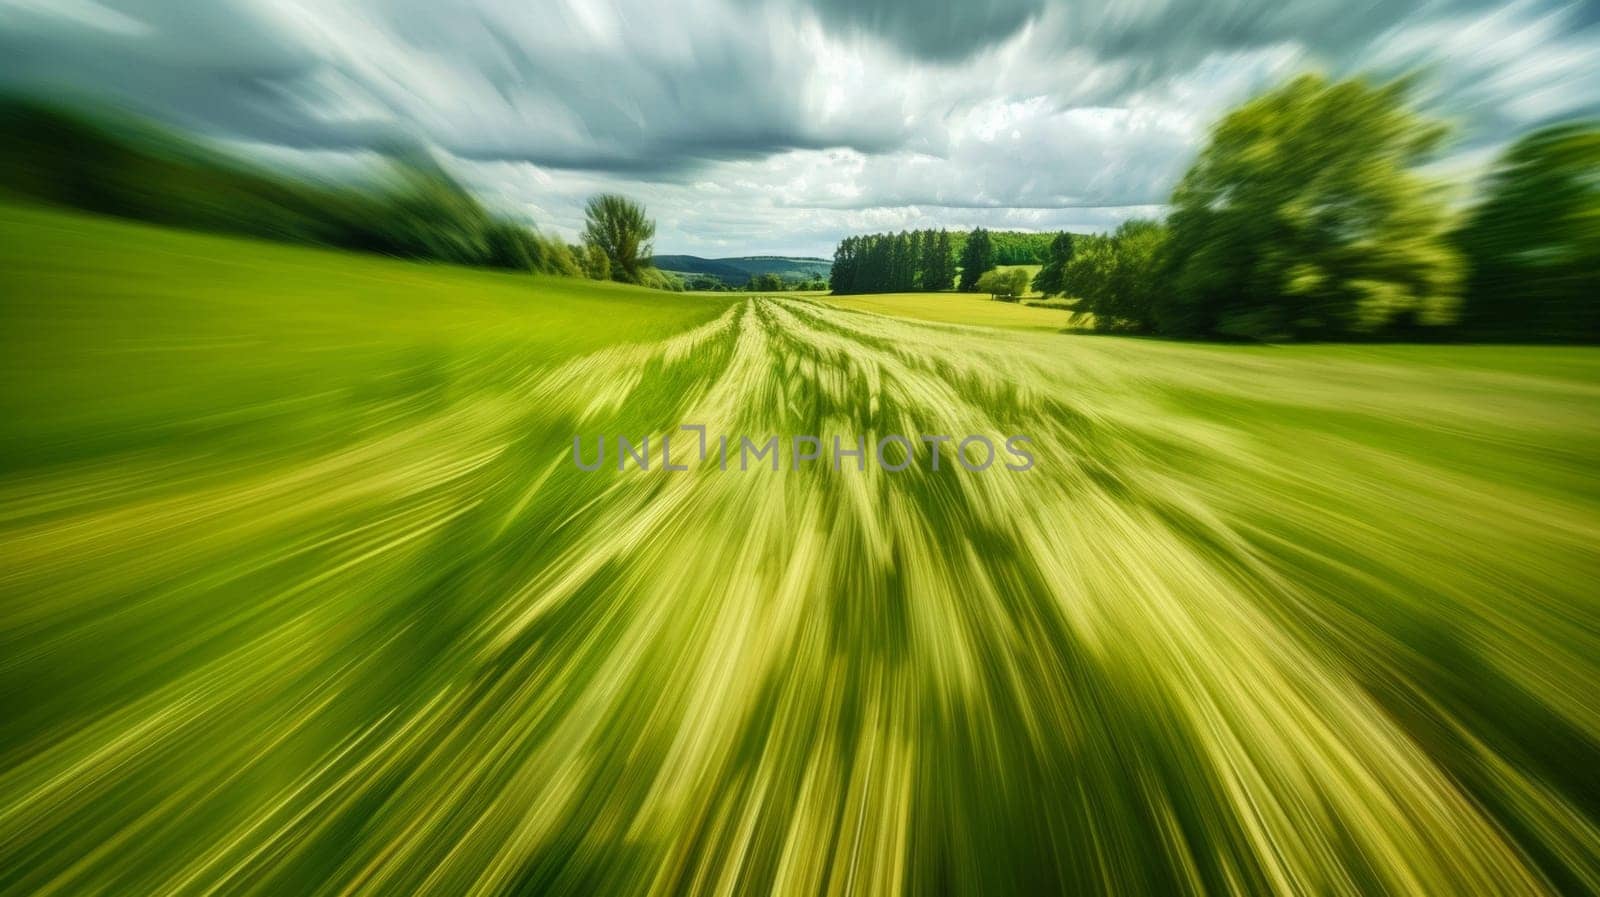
(976,258)
(1306,216)
(619,227)
(1007,285)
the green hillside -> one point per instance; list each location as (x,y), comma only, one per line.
(738,270)
(119,334)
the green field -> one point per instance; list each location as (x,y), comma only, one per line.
(976,309)
(301,593)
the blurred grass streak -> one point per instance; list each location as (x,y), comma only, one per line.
(960,308)
(300,593)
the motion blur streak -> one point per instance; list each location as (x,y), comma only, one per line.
(1298,620)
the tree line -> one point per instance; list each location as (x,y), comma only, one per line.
(929,260)
(1010,247)
(118,165)
(906,262)
(757,283)
(1309,215)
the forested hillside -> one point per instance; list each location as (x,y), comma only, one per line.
(739,270)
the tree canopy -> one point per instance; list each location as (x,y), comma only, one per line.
(1117,278)
(1056,258)
(926,260)
(1005,284)
(618,226)
(1534,240)
(1011,247)
(1305,216)
(893,263)
(765,283)
(977,256)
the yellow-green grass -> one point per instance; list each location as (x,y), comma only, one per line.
(958,308)
(301,593)
(136,330)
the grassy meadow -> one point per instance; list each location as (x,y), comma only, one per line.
(301,593)
(976,309)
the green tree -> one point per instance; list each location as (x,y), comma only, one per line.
(914,260)
(593,260)
(1305,216)
(1048,280)
(555,257)
(619,227)
(928,264)
(977,257)
(1118,278)
(880,263)
(1534,241)
(947,262)
(1089,274)
(1007,285)
(902,264)
(1013,247)
(511,246)
(842,277)
(764,283)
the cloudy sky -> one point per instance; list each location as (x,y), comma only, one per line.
(757,126)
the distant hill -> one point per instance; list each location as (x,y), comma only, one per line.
(736,271)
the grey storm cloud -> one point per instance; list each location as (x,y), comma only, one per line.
(650,89)
(936,31)
(636,86)
(1155,35)
(740,119)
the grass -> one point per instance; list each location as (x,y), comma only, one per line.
(972,309)
(130,330)
(301,593)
